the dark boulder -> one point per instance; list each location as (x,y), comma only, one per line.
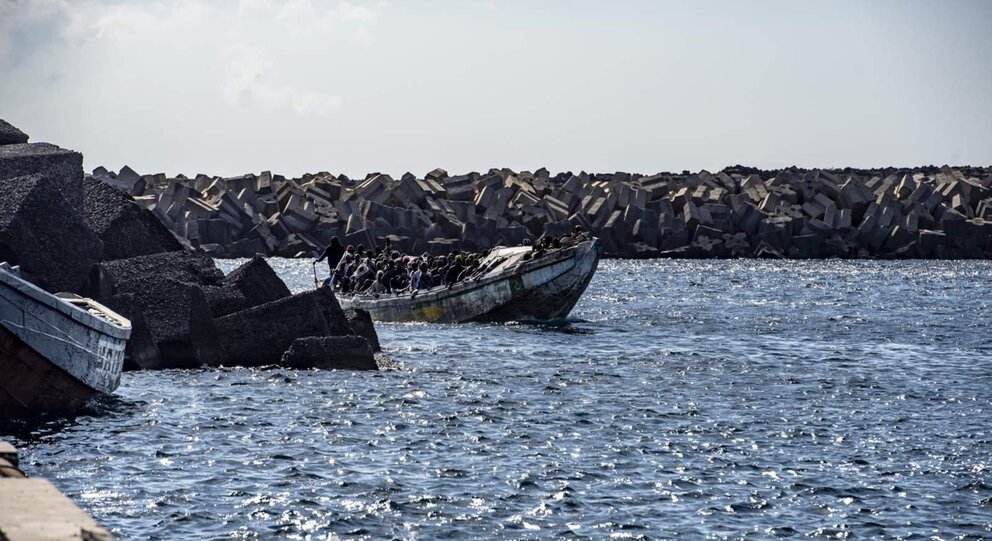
(126,229)
(330,352)
(10,135)
(252,284)
(361,324)
(186,266)
(141,351)
(40,231)
(172,321)
(224,300)
(63,167)
(260,335)
(337,321)
(257,282)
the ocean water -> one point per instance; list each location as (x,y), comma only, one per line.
(695,399)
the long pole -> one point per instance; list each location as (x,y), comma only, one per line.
(316,283)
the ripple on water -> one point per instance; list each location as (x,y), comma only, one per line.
(694,398)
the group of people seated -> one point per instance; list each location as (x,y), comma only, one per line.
(387,271)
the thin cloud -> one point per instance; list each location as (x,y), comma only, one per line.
(44,32)
(250,84)
(306,17)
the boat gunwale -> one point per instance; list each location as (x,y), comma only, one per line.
(460,289)
(39,296)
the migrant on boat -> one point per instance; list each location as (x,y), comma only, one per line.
(512,286)
(56,351)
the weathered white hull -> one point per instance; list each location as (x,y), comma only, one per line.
(76,337)
(542,289)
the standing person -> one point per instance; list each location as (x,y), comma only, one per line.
(332,254)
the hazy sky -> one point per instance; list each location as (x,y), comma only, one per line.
(228,87)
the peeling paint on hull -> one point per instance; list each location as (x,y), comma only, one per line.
(542,289)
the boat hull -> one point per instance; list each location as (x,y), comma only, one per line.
(56,351)
(30,384)
(543,289)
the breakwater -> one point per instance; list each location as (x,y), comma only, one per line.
(79,235)
(923,212)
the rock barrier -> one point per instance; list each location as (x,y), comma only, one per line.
(88,236)
(922,212)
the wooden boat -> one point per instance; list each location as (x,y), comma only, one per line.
(56,351)
(513,288)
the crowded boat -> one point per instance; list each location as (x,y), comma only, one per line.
(385,271)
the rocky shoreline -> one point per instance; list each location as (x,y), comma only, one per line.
(922,212)
(80,235)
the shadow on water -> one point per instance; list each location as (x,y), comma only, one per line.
(563,326)
(33,429)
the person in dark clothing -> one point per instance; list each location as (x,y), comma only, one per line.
(426,280)
(332,254)
(388,277)
(453,271)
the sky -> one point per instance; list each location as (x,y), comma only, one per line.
(226,87)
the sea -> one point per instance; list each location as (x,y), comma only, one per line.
(720,399)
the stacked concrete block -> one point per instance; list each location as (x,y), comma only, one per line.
(108,237)
(850,212)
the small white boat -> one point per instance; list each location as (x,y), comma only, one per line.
(56,351)
(513,288)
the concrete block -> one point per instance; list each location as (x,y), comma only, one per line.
(775,232)
(983,209)
(63,167)
(188,267)
(360,324)
(260,335)
(871,233)
(898,239)
(673,239)
(818,227)
(257,282)
(408,193)
(327,352)
(173,317)
(124,228)
(376,188)
(42,233)
(10,135)
(804,247)
(459,188)
(748,218)
(930,243)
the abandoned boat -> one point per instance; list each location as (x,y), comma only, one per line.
(513,288)
(56,351)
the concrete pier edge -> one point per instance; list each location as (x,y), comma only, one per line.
(33,509)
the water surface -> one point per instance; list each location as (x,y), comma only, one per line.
(720,399)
